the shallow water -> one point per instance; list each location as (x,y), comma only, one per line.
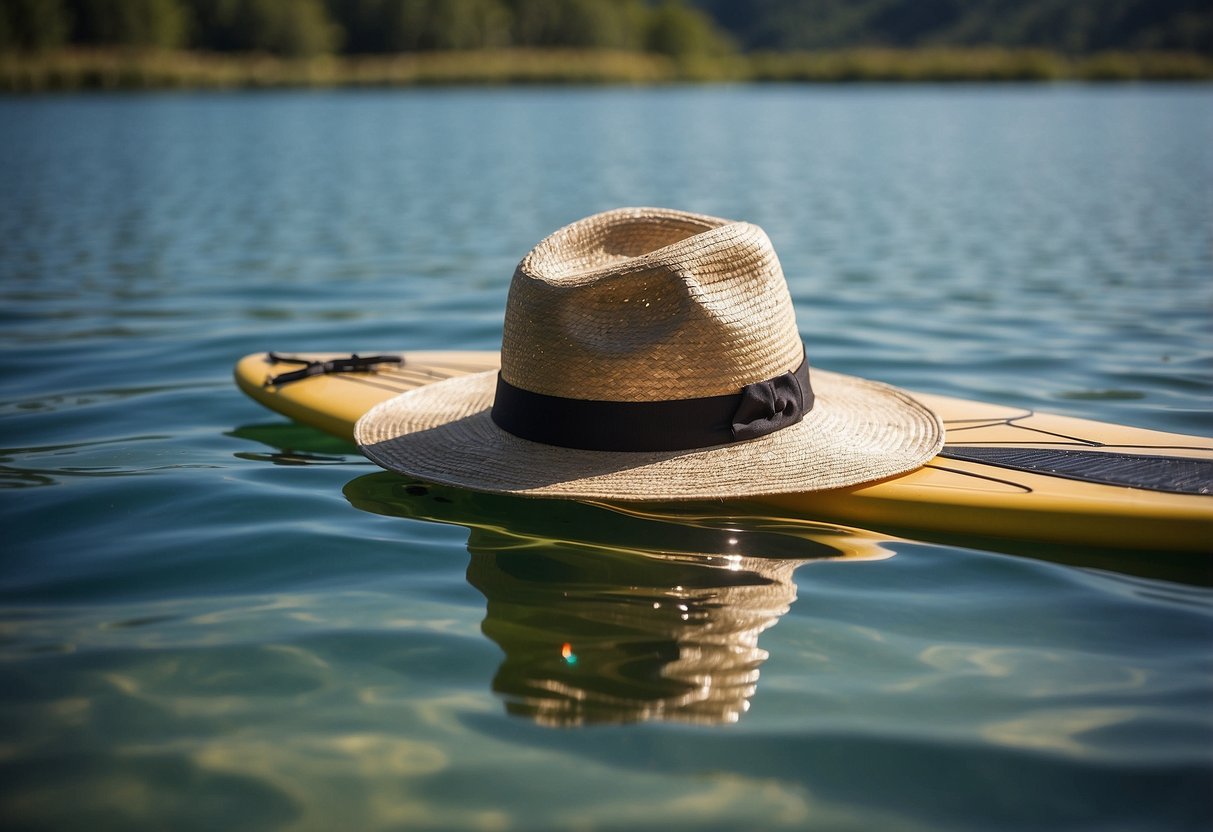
(210,618)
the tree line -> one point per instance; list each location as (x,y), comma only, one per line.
(304,28)
(307,28)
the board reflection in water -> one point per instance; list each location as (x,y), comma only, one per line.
(610,615)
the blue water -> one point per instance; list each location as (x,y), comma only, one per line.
(212,619)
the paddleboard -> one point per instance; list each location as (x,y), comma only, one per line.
(1004,472)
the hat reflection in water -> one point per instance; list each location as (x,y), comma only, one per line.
(651,354)
(612,615)
(590,638)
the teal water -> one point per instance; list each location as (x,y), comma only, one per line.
(213,619)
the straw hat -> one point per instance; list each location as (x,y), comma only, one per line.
(651,354)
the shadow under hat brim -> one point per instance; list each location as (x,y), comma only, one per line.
(858,431)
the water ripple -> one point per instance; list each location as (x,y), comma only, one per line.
(211,618)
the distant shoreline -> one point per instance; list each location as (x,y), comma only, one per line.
(152,70)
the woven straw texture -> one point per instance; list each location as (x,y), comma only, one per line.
(649,304)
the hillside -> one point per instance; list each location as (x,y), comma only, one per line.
(1068,26)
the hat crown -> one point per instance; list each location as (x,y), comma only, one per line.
(645,304)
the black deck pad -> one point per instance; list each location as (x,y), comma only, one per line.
(1172,474)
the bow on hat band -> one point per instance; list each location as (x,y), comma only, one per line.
(758,409)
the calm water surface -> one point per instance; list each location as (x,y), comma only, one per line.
(212,619)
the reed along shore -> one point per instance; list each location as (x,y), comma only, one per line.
(115,69)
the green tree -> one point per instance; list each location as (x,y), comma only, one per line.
(154,23)
(295,28)
(682,32)
(364,24)
(593,24)
(414,25)
(33,25)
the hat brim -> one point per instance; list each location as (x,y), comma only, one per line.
(858,431)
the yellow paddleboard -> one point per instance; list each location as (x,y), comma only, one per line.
(1004,472)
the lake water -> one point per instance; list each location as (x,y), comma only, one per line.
(212,619)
